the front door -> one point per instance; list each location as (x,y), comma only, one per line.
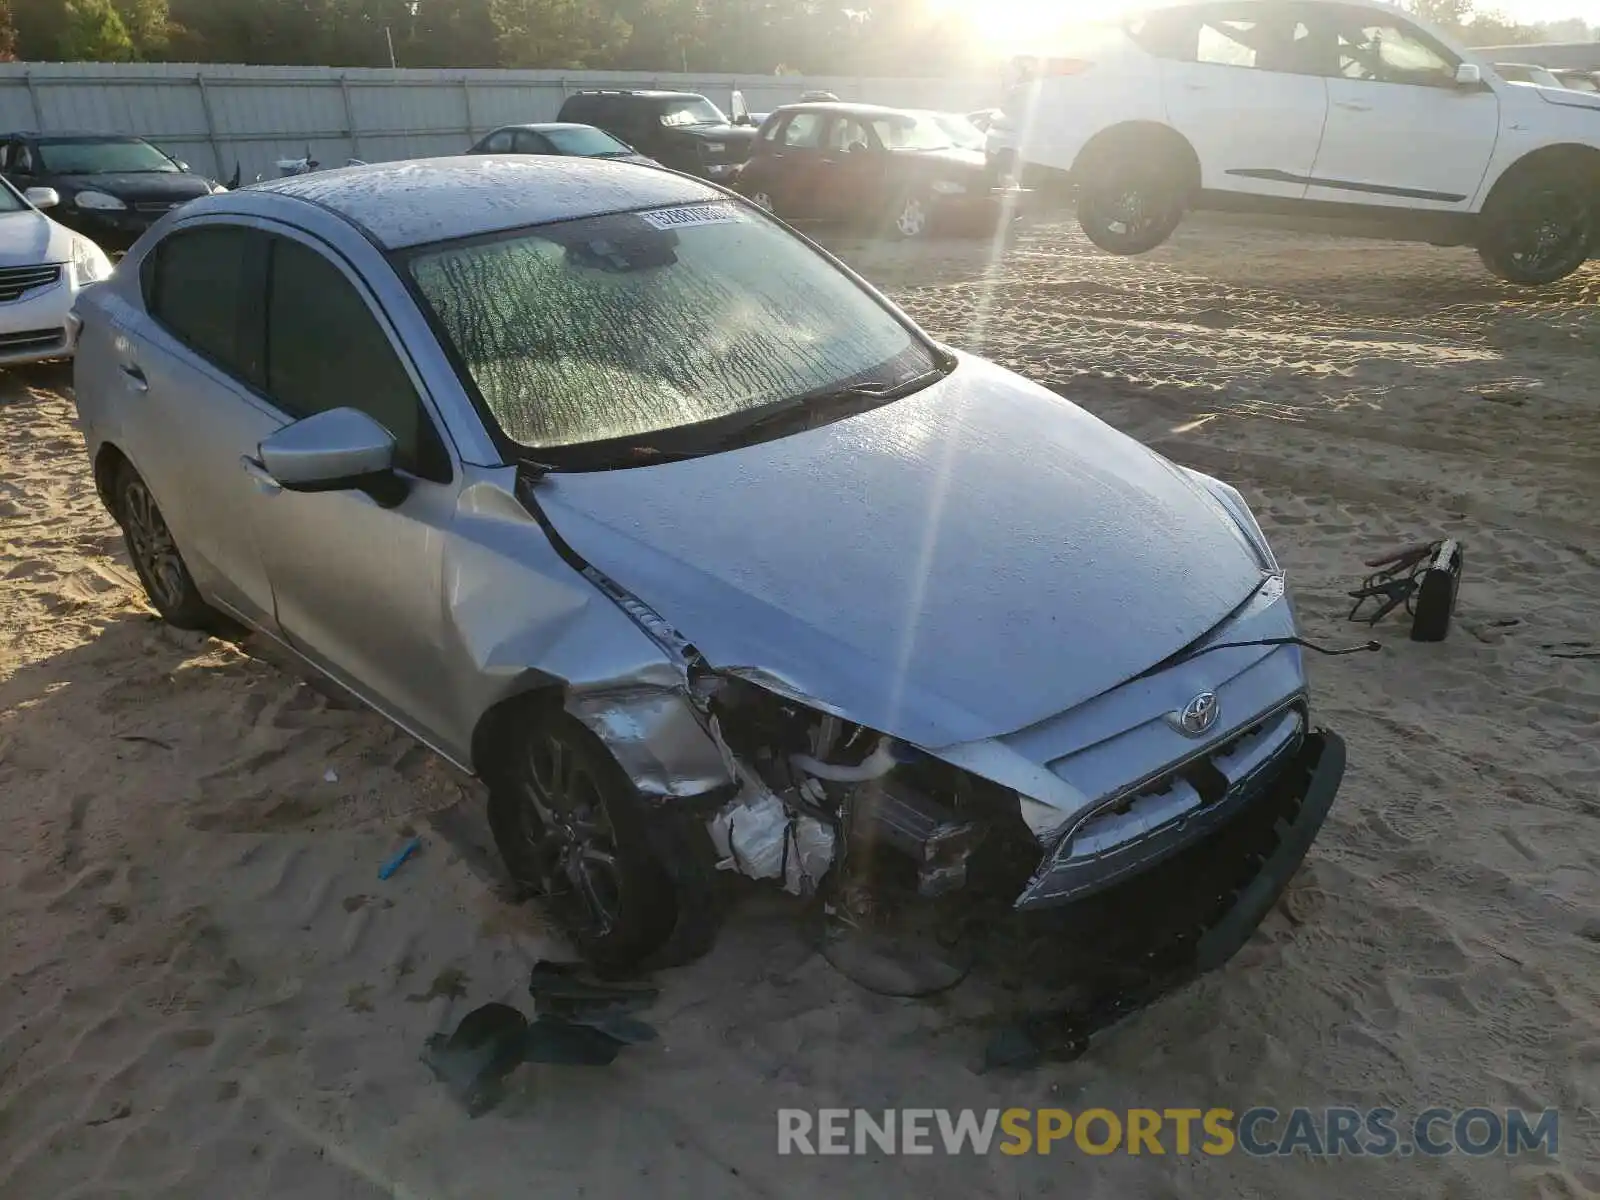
(358,587)
(191,366)
(1400,131)
(1233,84)
(794,163)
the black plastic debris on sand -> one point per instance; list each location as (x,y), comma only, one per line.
(579,1022)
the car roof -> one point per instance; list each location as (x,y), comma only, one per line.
(543,126)
(416,201)
(847,108)
(641,94)
(72,135)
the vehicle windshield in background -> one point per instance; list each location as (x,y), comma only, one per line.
(920,131)
(590,143)
(963,134)
(692,112)
(11,202)
(113,156)
(636,324)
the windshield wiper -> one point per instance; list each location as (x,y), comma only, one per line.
(834,405)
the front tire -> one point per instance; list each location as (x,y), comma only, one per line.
(569,825)
(1538,228)
(1129,203)
(910,216)
(156,559)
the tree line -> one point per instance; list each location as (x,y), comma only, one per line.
(883,37)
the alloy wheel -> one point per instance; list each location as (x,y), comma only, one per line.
(762,200)
(913,218)
(152,546)
(1557,231)
(568,835)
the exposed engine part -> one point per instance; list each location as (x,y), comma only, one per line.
(762,837)
(892,813)
(880,762)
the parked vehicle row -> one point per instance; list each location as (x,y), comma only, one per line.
(1346,109)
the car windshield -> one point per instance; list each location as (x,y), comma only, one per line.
(10,201)
(634,325)
(586,141)
(113,156)
(696,111)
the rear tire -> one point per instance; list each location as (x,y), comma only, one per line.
(910,216)
(1540,226)
(569,825)
(155,556)
(1131,197)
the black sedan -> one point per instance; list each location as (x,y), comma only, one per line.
(904,171)
(112,187)
(559,137)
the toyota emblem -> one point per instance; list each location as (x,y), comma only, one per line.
(1197,716)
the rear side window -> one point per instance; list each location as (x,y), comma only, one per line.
(203,286)
(325,349)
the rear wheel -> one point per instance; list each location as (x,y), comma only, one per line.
(1130,197)
(569,824)
(762,199)
(155,555)
(910,216)
(1540,227)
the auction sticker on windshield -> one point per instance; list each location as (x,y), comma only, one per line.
(699,214)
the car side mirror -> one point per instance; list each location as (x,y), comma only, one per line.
(182,166)
(741,110)
(1468,75)
(340,450)
(41,197)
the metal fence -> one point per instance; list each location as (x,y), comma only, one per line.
(218,117)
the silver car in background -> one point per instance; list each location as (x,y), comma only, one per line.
(621,494)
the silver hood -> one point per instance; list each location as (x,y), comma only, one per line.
(948,567)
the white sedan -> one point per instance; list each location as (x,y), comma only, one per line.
(43,267)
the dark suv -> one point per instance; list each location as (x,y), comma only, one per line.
(678,129)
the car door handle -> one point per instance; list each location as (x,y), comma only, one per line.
(135,378)
(259,473)
(1352,106)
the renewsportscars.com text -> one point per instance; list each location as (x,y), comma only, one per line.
(1258,1132)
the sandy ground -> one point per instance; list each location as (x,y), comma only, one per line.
(207,992)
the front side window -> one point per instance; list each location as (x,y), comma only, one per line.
(849,135)
(528,142)
(634,325)
(202,285)
(804,131)
(1385,50)
(108,156)
(325,349)
(498,143)
(1230,43)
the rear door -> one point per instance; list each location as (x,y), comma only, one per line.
(1233,82)
(853,174)
(1401,132)
(191,369)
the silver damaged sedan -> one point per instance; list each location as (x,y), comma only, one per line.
(619,493)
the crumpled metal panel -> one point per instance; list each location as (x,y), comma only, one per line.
(946,568)
(656,737)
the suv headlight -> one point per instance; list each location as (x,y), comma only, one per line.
(98,202)
(89,263)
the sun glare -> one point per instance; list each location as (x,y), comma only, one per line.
(1017,26)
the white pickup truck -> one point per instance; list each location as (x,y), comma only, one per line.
(1344,109)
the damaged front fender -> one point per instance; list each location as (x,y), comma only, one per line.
(657,737)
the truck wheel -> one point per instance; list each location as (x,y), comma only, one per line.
(1538,228)
(1130,198)
(570,826)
